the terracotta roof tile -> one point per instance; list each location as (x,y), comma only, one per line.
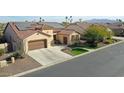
(65,31)
(25,33)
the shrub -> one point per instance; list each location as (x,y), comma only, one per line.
(97,33)
(108,41)
(16,55)
(1,52)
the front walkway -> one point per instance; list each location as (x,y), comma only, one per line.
(48,56)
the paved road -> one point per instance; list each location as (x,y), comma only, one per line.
(103,63)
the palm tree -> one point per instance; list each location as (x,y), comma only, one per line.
(43,20)
(119,20)
(40,19)
(80,20)
(66,19)
(71,19)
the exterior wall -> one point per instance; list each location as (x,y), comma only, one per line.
(69,38)
(50,32)
(37,36)
(118,32)
(73,41)
(60,38)
(12,38)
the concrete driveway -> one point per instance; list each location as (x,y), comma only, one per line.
(49,55)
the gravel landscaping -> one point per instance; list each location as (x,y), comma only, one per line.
(19,66)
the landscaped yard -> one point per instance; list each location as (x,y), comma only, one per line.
(80,48)
(88,46)
(75,51)
(78,51)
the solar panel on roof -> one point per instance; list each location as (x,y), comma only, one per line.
(22,26)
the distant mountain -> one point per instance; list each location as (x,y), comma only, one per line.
(101,21)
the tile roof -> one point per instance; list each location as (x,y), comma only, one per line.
(25,33)
(79,27)
(115,26)
(65,31)
(53,24)
(25,25)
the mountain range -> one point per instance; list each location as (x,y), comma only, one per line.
(101,21)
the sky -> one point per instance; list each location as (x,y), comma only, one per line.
(55,18)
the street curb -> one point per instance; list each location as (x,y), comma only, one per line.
(43,67)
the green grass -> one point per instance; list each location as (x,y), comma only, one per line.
(89,47)
(83,46)
(77,51)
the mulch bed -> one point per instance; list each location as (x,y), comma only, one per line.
(19,66)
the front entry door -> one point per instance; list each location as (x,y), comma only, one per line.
(65,40)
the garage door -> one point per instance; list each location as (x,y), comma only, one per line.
(37,44)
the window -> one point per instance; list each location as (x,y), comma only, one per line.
(72,38)
(75,37)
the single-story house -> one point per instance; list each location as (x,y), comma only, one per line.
(25,36)
(79,27)
(66,36)
(117,28)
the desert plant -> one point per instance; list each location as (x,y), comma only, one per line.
(97,33)
(2,52)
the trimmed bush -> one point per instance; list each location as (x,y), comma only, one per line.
(109,41)
(16,55)
(1,52)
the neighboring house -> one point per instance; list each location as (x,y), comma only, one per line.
(79,27)
(27,36)
(117,28)
(66,36)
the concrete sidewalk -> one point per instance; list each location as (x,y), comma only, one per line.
(119,38)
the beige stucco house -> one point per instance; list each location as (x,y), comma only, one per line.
(26,36)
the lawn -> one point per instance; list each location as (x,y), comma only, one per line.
(84,46)
(89,47)
(77,51)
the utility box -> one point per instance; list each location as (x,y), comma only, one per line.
(12,59)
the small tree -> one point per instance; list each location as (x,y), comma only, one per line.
(80,20)
(68,20)
(1,29)
(2,52)
(97,33)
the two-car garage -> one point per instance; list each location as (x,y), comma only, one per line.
(37,44)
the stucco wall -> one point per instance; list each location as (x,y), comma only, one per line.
(50,32)
(37,36)
(70,38)
(60,38)
(69,41)
(12,38)
(118,32)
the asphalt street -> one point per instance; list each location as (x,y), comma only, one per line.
(108,62)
